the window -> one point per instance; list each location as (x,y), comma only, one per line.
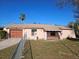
(33,31)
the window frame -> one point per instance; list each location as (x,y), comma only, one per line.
(33,30)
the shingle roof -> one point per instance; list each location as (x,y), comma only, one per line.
(27,26)
(64,28)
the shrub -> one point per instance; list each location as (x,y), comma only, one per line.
(3,34)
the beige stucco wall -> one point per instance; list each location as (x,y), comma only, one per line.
(67,33)
(27,33)
(6,30)
(40,33)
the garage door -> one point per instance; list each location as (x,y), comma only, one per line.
(16,33)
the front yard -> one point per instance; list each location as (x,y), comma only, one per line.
(7,52)
(42,49)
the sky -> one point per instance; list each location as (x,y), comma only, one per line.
(37,11)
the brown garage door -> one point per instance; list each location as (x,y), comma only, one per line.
(16,33)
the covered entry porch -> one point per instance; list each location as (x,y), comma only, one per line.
(52,35)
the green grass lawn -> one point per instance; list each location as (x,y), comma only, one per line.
(42,49)
(73,45)
(27,51)
(7,53)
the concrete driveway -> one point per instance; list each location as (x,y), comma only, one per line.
(9,42)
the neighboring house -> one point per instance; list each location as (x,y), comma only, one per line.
(39,31)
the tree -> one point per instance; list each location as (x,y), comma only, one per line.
(71,24)
(73,3)
(22,16)
(3,34)
(75,6)
(75,26)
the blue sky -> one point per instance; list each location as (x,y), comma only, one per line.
(37,11)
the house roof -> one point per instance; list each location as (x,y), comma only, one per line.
(64,28)
(43,26)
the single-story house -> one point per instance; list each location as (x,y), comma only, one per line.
(39,31)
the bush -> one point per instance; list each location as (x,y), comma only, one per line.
(3,34)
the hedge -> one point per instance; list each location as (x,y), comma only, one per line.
(3,34)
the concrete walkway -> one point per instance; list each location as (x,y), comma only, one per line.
(19,51)
(8,42)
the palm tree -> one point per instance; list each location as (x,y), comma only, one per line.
(22,17)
